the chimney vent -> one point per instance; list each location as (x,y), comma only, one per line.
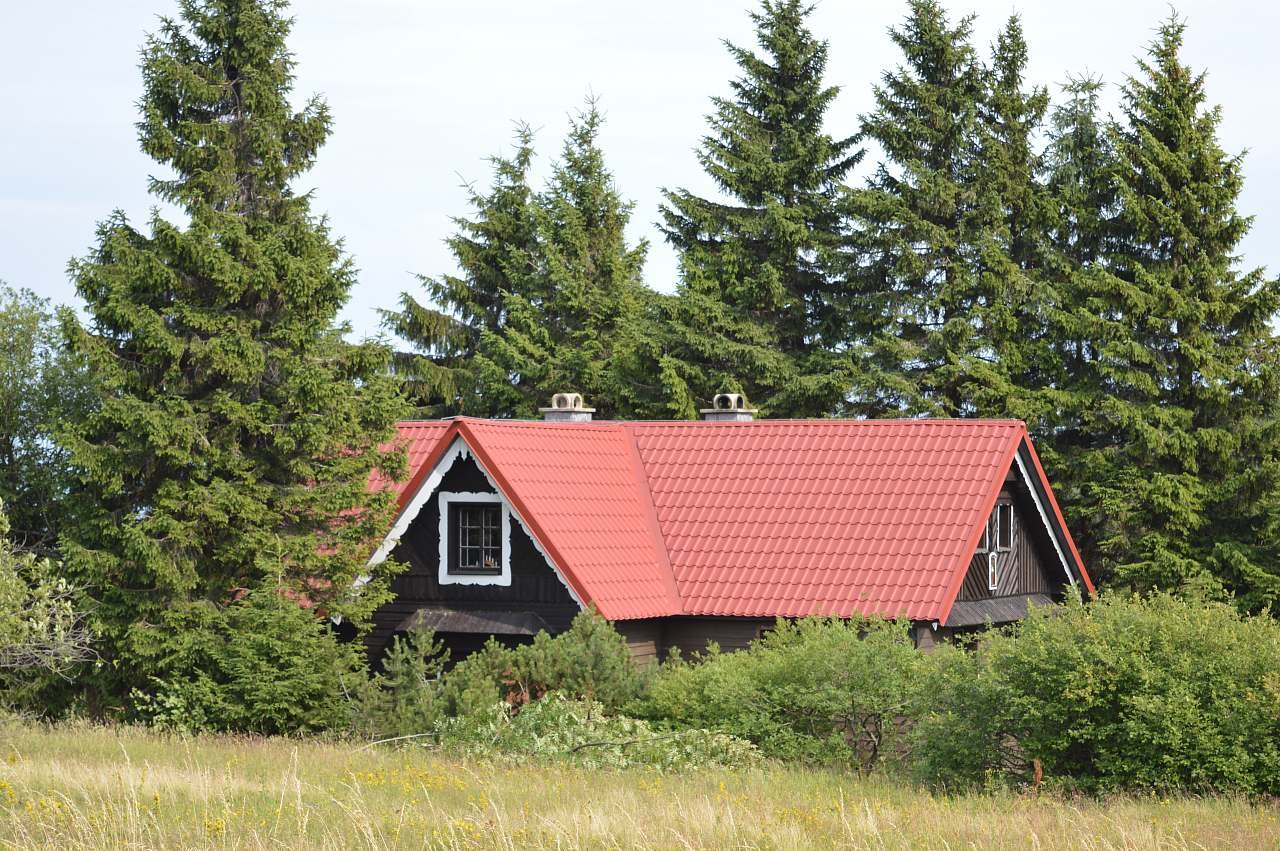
(729,408)
(567,408)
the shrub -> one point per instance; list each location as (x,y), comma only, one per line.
(589,661)
(822,690)
(583,733)
(404,698)
(262,665)
(1153,694)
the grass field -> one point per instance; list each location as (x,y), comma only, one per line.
(92,787)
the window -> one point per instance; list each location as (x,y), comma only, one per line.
(475,531)
(993,571)
(1004,527)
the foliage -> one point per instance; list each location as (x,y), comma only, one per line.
(821,690)
(756,309)
(42,387)
(495,250)
(589,661)
(549,289)
(1167,443)
(234,426)
(1154,694)
(264,664)
(583,733)
(41,627)
(404,697)
(583,294)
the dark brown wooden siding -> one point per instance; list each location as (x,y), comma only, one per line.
(692,635)
(644,639)
(1030,567)
(534,587)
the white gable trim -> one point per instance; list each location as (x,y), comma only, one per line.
(1044,515)
(458,449)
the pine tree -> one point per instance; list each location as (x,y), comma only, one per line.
(919,219)
(236,429)
(1174,381)
(564,321)
(1078,168)
(757,276)
(1012,249)
(495,250)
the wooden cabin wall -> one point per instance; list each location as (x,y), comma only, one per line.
(534,587)
(1034,567)
(692,634)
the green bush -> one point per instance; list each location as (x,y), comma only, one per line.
(583,733)
(822,690)
(404,698)
(1158,694)
(263,665)
(589,661)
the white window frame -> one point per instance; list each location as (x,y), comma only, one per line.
(444,576)
(993,570)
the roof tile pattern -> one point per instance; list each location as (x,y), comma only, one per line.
(419,438)
(767,518)
(825,517)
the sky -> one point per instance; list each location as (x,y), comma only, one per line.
(423,91)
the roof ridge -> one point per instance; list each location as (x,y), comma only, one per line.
(655,527)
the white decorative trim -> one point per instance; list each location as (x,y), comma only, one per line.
(457,449)
(503,576)
(1044,515)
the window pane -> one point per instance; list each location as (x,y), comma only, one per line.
(1005,526)
(477,539)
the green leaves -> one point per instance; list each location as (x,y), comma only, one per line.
(235,429)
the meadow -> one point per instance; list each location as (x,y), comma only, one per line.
(81,786)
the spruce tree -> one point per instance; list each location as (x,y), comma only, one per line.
(757,263)
(565,319)
(916,283)
(1077,170)
(1176,385)
(235,429)
(1011,249)
(496,251)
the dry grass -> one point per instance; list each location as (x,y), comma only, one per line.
(90,787)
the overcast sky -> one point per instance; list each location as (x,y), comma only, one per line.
(423,90)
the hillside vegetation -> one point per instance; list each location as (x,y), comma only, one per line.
(120,787)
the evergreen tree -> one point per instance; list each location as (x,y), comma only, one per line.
(497,252)
(1078,169)
(1012,250)
(235,429)
(919,220)
(757,276)
(1176,383)
(564,321)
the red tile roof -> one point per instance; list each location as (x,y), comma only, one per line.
(772,518)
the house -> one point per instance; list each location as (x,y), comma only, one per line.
(686,532)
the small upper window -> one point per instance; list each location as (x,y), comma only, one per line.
(475,529)
(1004,527)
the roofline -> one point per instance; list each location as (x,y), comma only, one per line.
(950,421)
(1057,513)
(961,566)
(527,518)
(1022,439)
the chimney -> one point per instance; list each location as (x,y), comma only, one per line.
(567,408)
(728,408)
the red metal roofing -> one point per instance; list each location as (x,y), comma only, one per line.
(772,518)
